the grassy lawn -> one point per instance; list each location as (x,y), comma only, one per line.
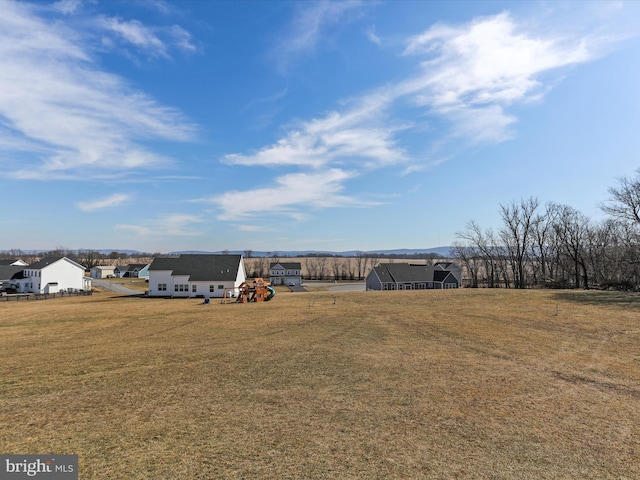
(463,383)
(134,283)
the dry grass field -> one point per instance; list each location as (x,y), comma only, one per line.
(494,384)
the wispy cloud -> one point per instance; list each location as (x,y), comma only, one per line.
(372,36)
(292,195)
(151,41)
(309,25)
(472,73)
(108,202)
(80,120)
(353,136)
(468,75)
(166,225)
(134,32)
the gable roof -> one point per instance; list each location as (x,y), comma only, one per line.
(46,261)
(410,273)
(200,267)
(402,272)
(15,263)
(287,265)
(136,266)
(440,275)
(9,272)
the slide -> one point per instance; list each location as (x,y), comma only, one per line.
(272,293)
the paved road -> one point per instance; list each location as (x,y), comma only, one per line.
(339,287)
(114,287)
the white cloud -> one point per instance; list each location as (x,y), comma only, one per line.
(152,41)
(311,21)
(469,76)
(337,138)
(110,201)
(80,120)
(292,194)
(167,225)
(135,33)
(372,36)
(66,6)
(471,73)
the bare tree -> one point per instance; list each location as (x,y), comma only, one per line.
(311,268)
(624,202)
(469,257)
(516,235)
(361,264)
(572,228)
(485,244)
(321,262)
(336,265)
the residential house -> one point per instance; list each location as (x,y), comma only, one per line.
(196,275)
(285,273)
(9,276)
(409,276)
(13,263)
(132,270)
(103,271)
(53,275)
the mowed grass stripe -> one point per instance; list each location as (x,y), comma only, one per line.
(440,384)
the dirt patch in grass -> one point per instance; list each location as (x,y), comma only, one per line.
(437,384)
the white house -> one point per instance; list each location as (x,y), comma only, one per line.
(285,273)
(53,275)
(13,263)
(195,275)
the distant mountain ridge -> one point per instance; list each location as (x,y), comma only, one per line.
(442,251)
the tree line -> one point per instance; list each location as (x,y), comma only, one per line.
(556,246)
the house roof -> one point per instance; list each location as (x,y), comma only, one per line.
(138,266)
(13,262)
(402,272)
(440,275)
(104,267)
(8,272)
(46,261)
(409,273)
(200,267)
(287,265)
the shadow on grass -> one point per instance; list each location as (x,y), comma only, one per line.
(595,297)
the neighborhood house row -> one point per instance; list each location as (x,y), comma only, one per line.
(207,275)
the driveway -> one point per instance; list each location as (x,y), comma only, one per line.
(115,287)
(339,287)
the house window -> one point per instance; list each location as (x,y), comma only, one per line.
(175,287)
(162,287)
(220,287)
(211,288)
(194,288)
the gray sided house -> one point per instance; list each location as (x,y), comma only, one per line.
(197,275)
(409,276)
(285,273)
(133,270)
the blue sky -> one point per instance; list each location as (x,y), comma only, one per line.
(211,125)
